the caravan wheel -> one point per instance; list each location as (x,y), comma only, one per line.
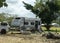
(3,31)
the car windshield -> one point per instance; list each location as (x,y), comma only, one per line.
(4,24)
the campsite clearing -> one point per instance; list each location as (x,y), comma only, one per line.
(29,38)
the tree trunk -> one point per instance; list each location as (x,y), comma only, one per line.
(48,27)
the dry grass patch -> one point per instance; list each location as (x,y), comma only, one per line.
(21,38)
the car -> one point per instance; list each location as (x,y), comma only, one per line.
(4,27)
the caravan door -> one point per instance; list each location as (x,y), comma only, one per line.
(36,25)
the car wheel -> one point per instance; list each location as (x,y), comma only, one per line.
(3,31)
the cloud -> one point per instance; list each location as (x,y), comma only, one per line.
(12,1)
(17,7)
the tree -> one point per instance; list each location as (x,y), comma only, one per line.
(45,10)
(6,17)
(2,17)
(3,3)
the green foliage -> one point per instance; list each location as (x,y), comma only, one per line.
(3,3)
(53,6)
(2,17)
(2,0)
(28,6)
(46,11)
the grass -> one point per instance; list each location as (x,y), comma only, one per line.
(20,38)
(53,29)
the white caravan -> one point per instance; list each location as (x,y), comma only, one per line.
(4,27)
(26,23)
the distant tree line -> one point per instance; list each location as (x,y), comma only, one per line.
(6,17)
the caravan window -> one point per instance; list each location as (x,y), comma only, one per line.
(32,23)
(25,23)
(17,18)
(4,24)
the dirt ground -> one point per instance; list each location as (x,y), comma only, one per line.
(23,38)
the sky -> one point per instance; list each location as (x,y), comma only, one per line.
(16,7)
